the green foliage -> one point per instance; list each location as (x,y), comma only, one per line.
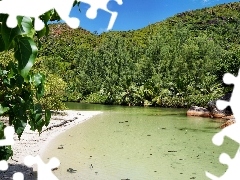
(54,92)
(5,151)
(98,98)
(54,88)
(178,62)
(21,90)
(16,98)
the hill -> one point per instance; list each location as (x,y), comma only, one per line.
(174,63)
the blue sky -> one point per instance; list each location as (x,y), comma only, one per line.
(136,14)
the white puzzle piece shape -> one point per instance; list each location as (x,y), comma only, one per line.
(8,133)
(231,131)
(44,170)
(16,8)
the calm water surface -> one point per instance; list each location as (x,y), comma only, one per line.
(139,143)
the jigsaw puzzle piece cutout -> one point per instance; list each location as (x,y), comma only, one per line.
(44,170)
(221,104)
(233,167)
(229,131)
(232,130)
(3,165)
(101,4)
(16,8)
(63,9)
(8,133)
(229,78)
(18,176)
(234,100)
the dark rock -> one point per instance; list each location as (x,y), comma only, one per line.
(71,170)
(211,110)
(215,112)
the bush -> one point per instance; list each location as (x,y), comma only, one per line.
(54,92)
(97,98)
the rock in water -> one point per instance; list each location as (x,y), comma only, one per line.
(227,123)
(215,112)
(198,111)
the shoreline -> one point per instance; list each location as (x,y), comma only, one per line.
(33,144)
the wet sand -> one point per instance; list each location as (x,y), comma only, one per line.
(33,144)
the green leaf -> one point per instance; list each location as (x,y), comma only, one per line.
(78,4)
(2,126)
(19,81)
(8,34)
(47,117)
(19,125)
(25,26)
(42,33)
(3,109)
(47,16)
(45,31)
(40,124)
(25,53)
(39,80)
(2,45)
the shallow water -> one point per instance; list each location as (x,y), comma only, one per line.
(139,143)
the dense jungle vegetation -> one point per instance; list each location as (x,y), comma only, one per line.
(178,62)
(174,63)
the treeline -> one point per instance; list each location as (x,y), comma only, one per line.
(175,63)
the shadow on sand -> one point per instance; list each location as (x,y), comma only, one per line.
(28,173)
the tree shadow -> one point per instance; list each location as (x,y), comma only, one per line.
(28,172)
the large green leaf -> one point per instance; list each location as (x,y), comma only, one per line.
(45,17)
(47,117)
(39,80)
(8,34)
(3,109)
(19,125)
(25,53)
(25,26)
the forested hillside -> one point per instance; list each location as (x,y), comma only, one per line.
(174,63)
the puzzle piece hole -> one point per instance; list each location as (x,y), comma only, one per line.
(224,158)
(18,176)
(228,78)
(3,165)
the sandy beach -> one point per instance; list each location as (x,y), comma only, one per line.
(33,144)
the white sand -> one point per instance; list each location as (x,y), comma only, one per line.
(33,144)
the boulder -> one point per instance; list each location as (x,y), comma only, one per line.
(198,111)
(215,112)
(227,123)
(211,110)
